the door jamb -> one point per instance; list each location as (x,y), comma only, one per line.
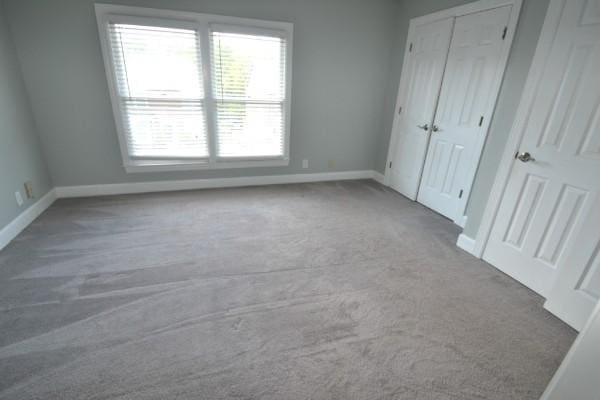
(516,133)
(454,12)
(399,101)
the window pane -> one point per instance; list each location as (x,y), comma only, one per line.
(156,62)
(248,67)
(159,80)
(250,129)
(162,129)
(249,88)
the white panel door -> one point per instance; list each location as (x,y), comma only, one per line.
(474,60)
(548,222)
(418,94)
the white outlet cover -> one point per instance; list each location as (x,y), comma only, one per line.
(305,163)
(19,198)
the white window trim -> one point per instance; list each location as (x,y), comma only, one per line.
(106,13)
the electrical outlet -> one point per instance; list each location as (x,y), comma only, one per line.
(29,189)
(19,198)
(331,164)
(305,163)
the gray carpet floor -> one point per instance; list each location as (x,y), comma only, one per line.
(342,290)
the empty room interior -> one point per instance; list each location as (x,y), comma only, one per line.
(300,199)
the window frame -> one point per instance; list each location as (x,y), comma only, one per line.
(108,13)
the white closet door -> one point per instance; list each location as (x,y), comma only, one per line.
(419,90)
(548,222)
(468,88)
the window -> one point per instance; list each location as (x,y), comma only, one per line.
(159,88)
(249,88)
(197,91)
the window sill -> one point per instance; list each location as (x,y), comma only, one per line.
(163,166)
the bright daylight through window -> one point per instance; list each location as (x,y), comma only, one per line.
(249,87)
(195,90)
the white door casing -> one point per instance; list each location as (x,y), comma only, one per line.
(547,221)
(419,89)
(458,134)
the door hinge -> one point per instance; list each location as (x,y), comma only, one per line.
(399,110)
(410,48)
(390,164)
(460,194)
(504,32)
(481,121)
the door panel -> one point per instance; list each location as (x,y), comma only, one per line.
(419,96)
(566,212)
(546,232)
(467,90)
(526,206)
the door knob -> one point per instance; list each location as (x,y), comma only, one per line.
(424,127)
(525,157)
(435,128)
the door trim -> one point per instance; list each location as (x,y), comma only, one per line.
(516,133)
(477,6)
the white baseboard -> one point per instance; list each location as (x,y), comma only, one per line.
(379,177)
(163,186)
(10,231)
(16,226)
(467,244)
(462,221)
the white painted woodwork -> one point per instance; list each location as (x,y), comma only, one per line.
(474,60)
(419,88)
(408,146)
(547,224)
(577,287)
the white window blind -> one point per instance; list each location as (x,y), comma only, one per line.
(158,73)
(194,91)
(249,85)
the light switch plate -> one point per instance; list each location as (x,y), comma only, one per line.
(29,189)
(19,198)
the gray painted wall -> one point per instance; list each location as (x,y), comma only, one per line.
(347,64)
(530,23)
(342,51)
(21,158)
